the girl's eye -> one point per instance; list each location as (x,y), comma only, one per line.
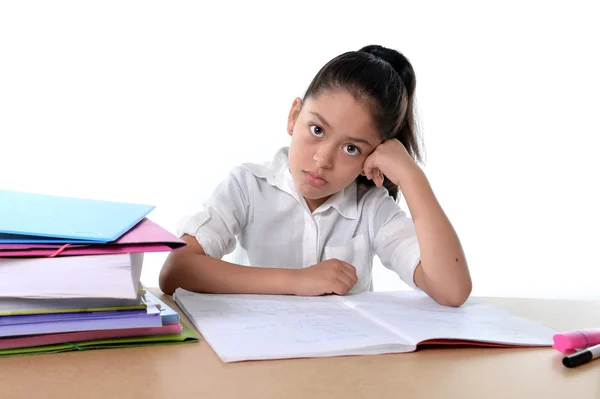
(351,149)
(316,131)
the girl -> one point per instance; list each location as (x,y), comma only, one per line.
(310,221)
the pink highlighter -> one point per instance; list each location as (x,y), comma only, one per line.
(570,341)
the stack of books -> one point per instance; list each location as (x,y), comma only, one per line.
(70,272)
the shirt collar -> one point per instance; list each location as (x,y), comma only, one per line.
(344,201)
(277,173)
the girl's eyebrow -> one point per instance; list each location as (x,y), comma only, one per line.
(323,121)
(328,126)
(357,140)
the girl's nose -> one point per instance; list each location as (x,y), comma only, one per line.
(323,158)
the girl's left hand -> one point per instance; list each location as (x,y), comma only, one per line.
(390,159)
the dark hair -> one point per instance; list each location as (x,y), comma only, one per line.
(385,79)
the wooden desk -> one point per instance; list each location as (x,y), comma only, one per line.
(194,371)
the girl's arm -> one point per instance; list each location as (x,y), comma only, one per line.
(191,269)
(443,272)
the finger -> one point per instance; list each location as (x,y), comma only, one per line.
(346,280)
(369,165)
(379,178)
(372,173)
(350,271)
(375,176)
(371,159)
(348,267)
(340,288)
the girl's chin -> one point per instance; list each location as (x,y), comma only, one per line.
(314,194)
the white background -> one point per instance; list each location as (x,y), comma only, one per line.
(153,102)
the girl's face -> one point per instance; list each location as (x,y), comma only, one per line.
(332,135)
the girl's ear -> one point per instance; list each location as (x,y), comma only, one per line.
(294,112)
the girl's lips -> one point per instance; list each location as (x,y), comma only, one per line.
(314,180)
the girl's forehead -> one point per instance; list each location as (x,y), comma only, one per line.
(343,113)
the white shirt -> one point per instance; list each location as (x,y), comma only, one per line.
(258,211)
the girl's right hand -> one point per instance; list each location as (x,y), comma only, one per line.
(332,276)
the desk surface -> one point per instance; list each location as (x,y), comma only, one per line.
(193,370)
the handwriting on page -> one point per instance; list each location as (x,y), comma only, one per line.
(418,317)
(255,327)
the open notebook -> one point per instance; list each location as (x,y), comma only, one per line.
(258,327)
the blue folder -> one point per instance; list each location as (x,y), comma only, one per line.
(40,218)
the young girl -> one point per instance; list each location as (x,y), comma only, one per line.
(311,220)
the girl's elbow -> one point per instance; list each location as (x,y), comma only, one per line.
(453,291)
(165,283)
(458,296)
(168,279)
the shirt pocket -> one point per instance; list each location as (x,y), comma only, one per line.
(357,253)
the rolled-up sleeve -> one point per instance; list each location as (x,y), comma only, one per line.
(221,218)
(395,239)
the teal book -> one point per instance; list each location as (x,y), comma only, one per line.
(39,218)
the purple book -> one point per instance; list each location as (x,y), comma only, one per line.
(70,322)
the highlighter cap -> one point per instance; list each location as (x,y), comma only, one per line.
(570,341)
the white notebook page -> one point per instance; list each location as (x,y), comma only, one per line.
(418,317)
(250,327)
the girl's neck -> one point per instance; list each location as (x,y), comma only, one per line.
(315,203)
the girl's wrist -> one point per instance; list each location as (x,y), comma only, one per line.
(288,281)
(409,175)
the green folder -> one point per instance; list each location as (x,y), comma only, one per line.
(187,335)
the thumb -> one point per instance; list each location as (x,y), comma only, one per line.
(369,167)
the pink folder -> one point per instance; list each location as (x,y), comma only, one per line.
(78,336)
(146,236)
